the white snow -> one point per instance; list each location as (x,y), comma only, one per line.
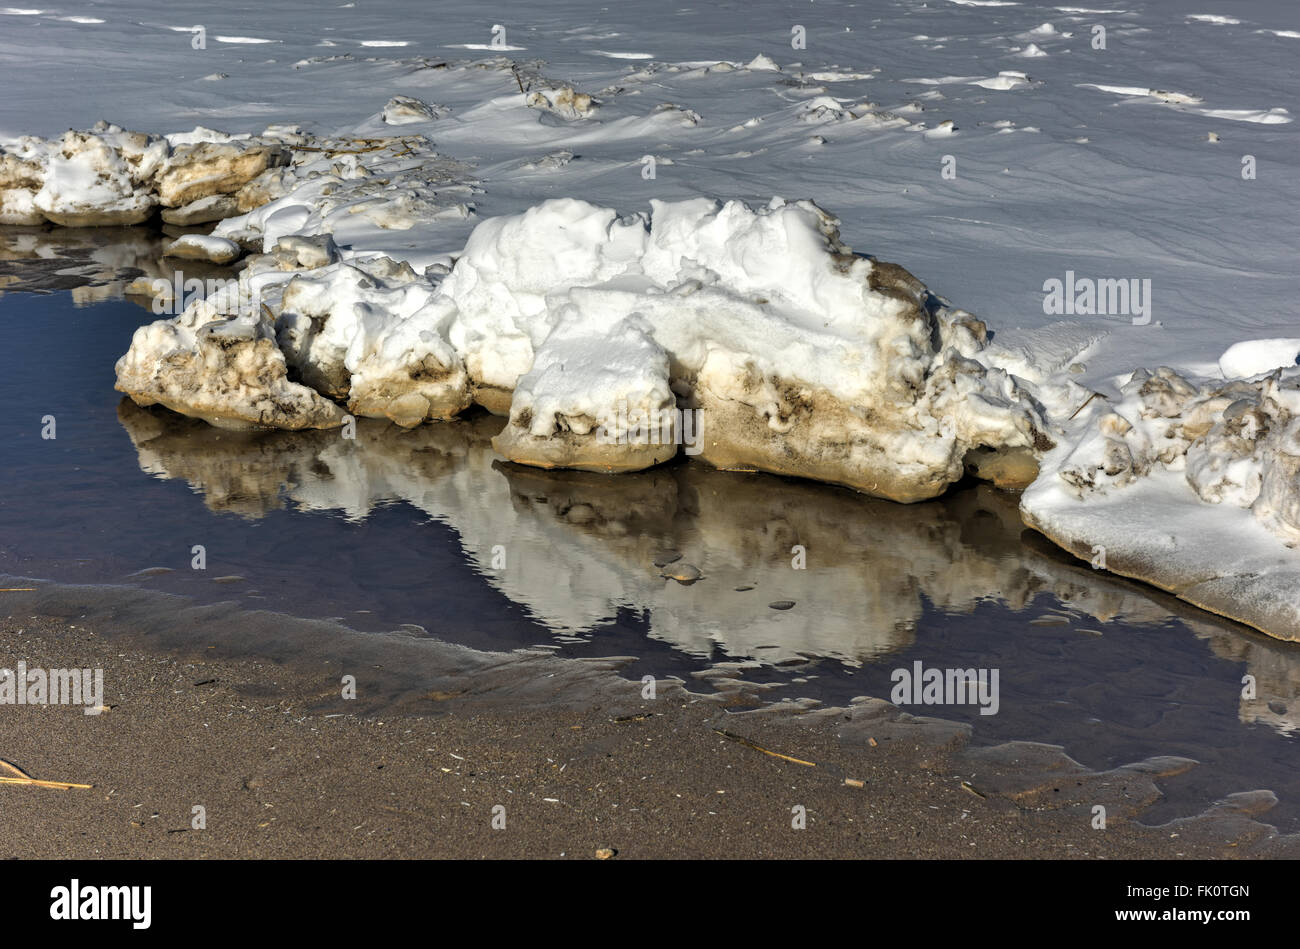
(216,250)
(1251,357)
(1195,488)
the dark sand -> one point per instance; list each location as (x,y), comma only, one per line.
(646,778)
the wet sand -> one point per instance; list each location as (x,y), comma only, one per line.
(284,767)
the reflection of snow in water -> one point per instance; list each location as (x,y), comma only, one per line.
(580,547)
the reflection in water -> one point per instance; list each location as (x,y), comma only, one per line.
(94,263)
(1276,671)
(580,547)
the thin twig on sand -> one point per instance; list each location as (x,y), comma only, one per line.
(775,754)
(22,777)
(1085,405)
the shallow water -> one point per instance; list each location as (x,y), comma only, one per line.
(428,528)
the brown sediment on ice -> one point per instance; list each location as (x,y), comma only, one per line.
(244,713)
(493,398)
(843,446)
(230,374)
(580,453)
(1011,470)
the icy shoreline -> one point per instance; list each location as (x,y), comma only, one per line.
(583,325)
(1192,488)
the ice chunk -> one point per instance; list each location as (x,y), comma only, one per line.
(406,370)
(218,361)
(207,168)
(322,311)
(801,357)
(600,333)
(597,398)
(1255,356)
(100,177)
(215,250)
(1194,488)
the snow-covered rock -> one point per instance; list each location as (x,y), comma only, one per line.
(206,168)
(99,177)
(1193,488)
(801,357)
(218,361)
(214,250)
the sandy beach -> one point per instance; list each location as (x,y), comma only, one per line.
(283,769)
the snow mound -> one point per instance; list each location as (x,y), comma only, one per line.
(801,357)
(1253,357)
(1194,488)
(218,361)
(100,177)
(596,332)
(562,100)
(408,110)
